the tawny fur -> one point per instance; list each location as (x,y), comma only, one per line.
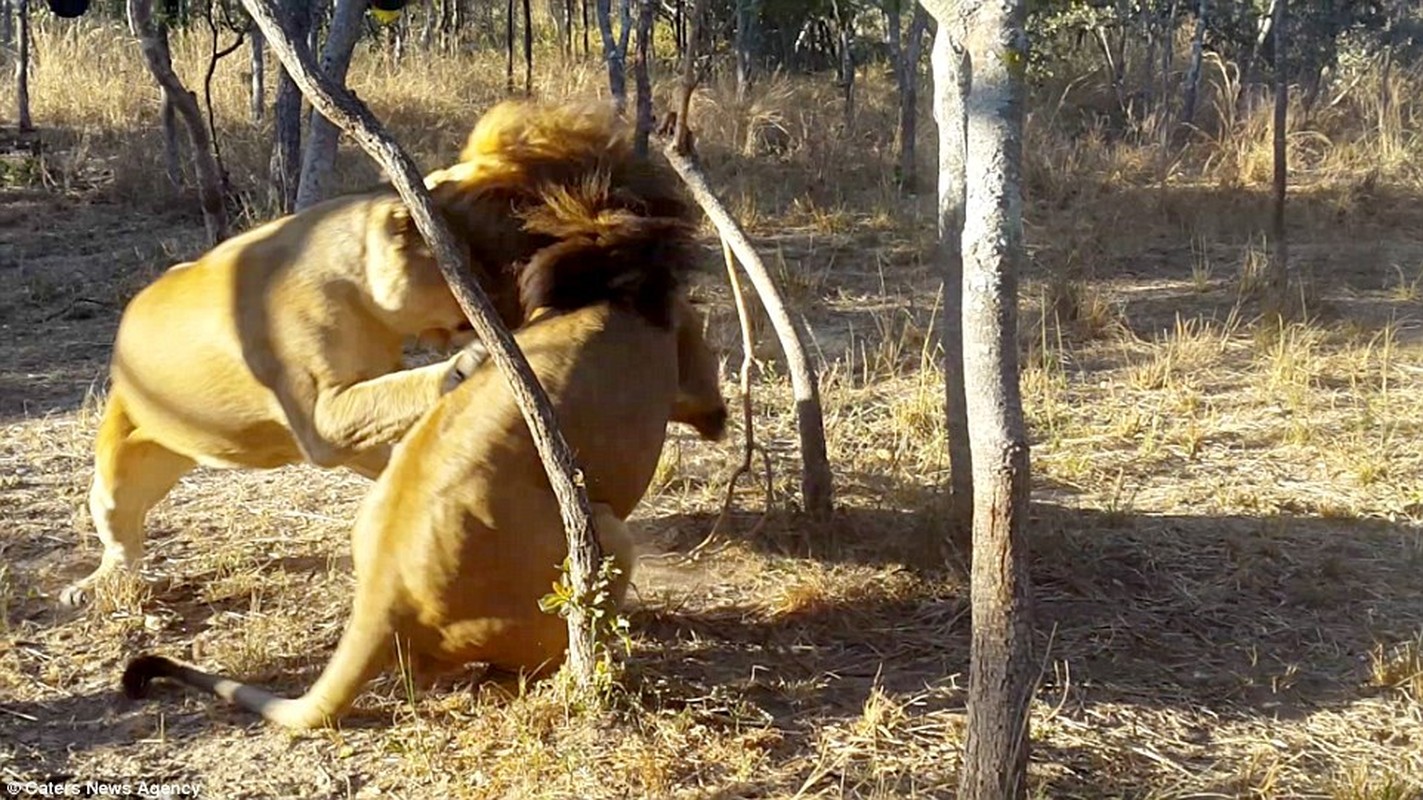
(283,344)
(461,535)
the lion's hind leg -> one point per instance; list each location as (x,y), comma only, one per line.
(131,474)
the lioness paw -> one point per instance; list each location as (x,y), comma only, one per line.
(463,365)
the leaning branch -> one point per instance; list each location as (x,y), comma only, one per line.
(816,480)
(352,116)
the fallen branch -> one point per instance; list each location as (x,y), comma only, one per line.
(816,480)
(337,104)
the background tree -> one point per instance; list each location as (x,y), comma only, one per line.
(286,116)
(153,40)
(319,157)
(1277,286)
(981,47)
(615,50)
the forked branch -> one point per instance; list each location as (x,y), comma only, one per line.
(351,115)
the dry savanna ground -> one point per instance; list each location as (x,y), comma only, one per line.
(1227,558)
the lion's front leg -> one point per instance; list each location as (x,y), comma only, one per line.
(355,425)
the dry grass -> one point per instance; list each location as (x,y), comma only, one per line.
(1226,520)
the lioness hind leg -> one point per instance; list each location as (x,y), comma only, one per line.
(131,474)
(615,540)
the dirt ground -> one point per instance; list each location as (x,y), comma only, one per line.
(1227,554)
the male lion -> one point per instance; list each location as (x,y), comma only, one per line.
(283,344)
(461,534)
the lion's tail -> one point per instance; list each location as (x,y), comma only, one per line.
(364,650)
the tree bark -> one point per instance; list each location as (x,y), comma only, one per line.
(1193,74)
(257,94)
(951,74)
(154,43)
(1000,670)
(613,55)
(643,82)
(7,27)
(285,168)
(528,50)
(845,31)
(1276,305)
(817,482)
(22,71)
(509,46)
(172,158)
(748,15)
(336,103)
(322,137)
(907,71)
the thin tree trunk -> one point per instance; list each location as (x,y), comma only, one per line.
(748,15)
(907,70)
(528,50)
(587,50)
(645,16)
(1250,70)
(427,27)
(613,56)
(567,27)
(681,132)
(154,43)
(1276,304)
(843,25)
(172,158)
(334,101)
(951,77)
(509,46)
(258,92)
(285,167)
(22,71)
(7,27)
(1000,669)
(319,158)
(1193,74)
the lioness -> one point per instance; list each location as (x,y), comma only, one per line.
(461,534)
(283,344)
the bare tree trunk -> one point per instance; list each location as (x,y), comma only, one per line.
(613,55)
(907,70)
(1250,70)
(154,43)
(258,92)
(285,168)
(1276,305)
(645,16)
(172,158)
(1000,670)
(335,102)
(1193,74)
(843,25)
(528,50)
(748,15)
(22,71)
(587,50)
(951,77)
(508,46)
(7,27)
(322,137)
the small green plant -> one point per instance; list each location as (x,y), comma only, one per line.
(604,620)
